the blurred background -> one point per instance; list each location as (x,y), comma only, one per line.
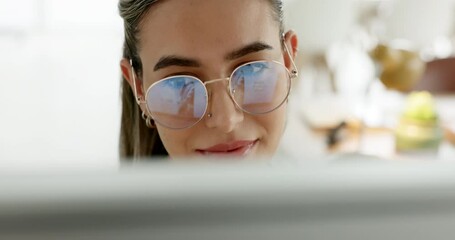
(60,81)
(361,62)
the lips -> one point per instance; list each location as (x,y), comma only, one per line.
(230,149)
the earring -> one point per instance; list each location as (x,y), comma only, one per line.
(209,115)
(148,120)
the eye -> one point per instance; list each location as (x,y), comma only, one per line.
(250,69)
(253,68)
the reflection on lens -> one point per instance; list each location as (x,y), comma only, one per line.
(260,87)
(177,102)
(181,101)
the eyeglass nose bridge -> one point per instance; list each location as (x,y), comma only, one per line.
(218,80)
(228,89)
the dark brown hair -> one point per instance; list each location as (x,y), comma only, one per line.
(136,139)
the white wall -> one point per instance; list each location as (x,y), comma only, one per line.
(59,81)
(421,21)
(321,22)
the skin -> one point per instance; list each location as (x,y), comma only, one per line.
(206,32)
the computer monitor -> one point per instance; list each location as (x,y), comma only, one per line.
(314,200)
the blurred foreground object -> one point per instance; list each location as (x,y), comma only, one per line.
(419,127)
(400,69)
(347,198)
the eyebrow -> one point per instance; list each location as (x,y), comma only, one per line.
(173,60)
(250,48)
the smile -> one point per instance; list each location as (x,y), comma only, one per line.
(231,149)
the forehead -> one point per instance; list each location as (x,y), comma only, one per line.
(191,27)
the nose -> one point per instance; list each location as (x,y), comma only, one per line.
(225,115)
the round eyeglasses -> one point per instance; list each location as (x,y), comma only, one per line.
(180,102)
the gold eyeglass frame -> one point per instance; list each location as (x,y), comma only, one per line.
(292,75)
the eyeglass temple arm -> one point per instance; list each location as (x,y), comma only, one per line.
(294,72)
(138,99)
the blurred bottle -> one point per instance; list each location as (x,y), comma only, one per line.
(419,128)
(399,68)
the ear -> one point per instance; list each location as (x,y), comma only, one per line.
(130,76)
(291,41)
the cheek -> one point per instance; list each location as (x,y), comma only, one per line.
(175,141)
(274,124)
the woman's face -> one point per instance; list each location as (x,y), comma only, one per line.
(214,37)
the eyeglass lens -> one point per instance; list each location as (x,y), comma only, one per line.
(181,101)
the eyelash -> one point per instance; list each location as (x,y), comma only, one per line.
(182,73)
(199,75)
(245,62)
